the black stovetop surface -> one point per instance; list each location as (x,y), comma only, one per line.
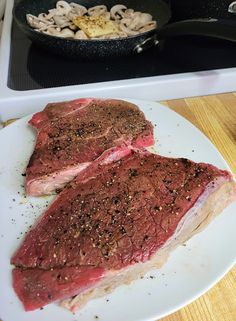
(33,68)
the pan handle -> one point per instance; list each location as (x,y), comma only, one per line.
(218,28)
(147,43)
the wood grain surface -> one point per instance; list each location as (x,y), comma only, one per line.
(215,116)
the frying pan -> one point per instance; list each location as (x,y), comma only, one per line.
(102,48)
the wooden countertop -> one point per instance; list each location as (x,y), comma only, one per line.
(215,116)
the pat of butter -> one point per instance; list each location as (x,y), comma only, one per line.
(95,26)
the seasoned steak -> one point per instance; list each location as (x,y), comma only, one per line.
(72,135)
(123,218)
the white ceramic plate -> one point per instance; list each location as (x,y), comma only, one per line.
(190,270)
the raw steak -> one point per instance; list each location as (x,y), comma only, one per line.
(73,134)
(115,223)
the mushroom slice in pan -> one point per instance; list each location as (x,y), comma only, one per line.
(72,15)
(80,35)
(45,28)
(127,30)
(106,15)
(72,26)
(36,23)
(31,19)
(125,21)
(67,33)
(78,9)
(144,19)
(58,32)
(149,26)
(97,10)
(53,31)
(61,21)
(63,7)
(44,18)
(139,20)
(129,13)
(53,12)
(117,11)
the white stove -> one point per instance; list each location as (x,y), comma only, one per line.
(15,102)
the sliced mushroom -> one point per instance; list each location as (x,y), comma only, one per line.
(53,12)
(127,30)
(149,26)
(117,11)
(78,9)
(67,33)
(72,26)
(232,7)
(72,15)
(44,18)
(97,11)
(45,27)
(35,22)
(128,13)
(144,18)
(135,23)
(63,7)
(58,32)
(31,20)
(52,31)
(61,21)
(80,35)
(125,21)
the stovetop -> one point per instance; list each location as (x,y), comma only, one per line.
(33,68)
(180,67)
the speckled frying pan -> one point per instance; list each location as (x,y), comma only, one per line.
(93,49)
